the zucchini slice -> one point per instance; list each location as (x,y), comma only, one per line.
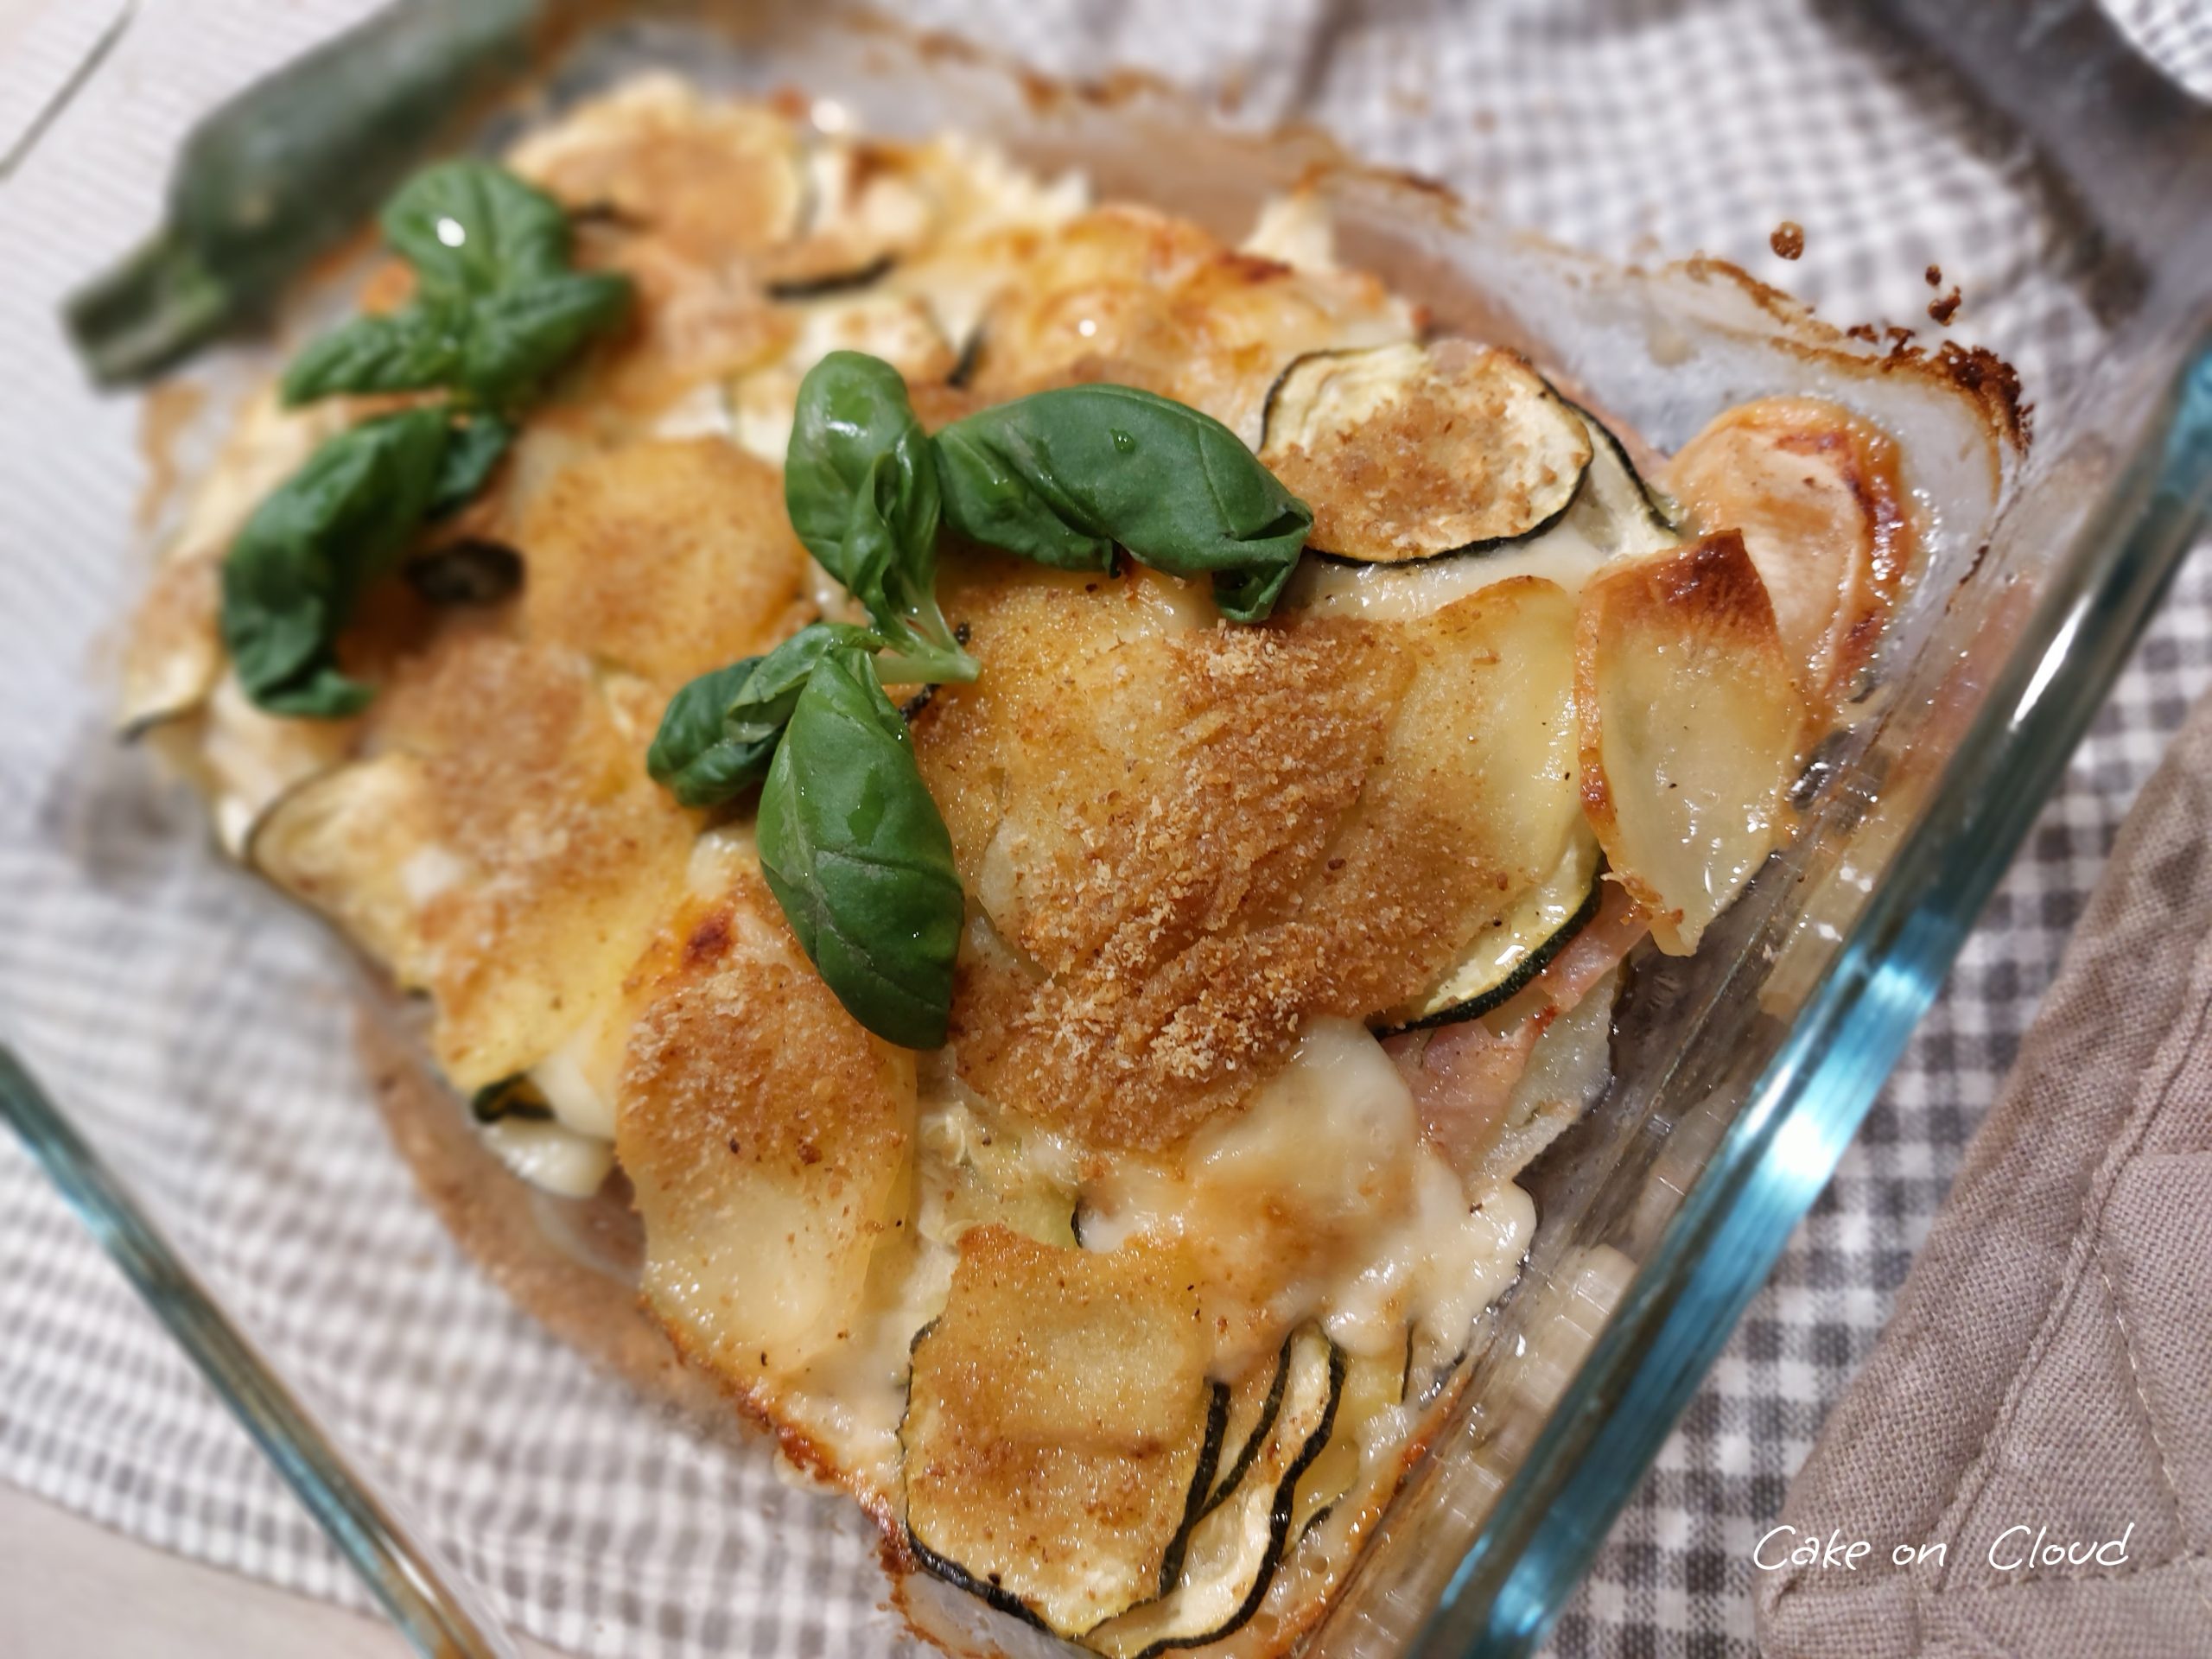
(1195,1503)
(1617,511)
(1517,947)
(1254,1405)
(1235,1548)
(1408,452)
(1372,1386)
(1057,1423)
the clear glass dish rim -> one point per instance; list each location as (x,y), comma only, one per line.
(1683,1304)
(1713,1255)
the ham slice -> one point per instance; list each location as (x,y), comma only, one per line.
(1462,1076)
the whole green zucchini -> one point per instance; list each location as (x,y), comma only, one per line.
(287,170)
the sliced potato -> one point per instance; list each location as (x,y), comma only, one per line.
(359,844)
(1191,841)
(1410,452)
(561,854)
(663,558)
(1691,730)
(1053,1433)
(766,1136)
(1814,491)
(1484,744)
(716,182)
(1126,295)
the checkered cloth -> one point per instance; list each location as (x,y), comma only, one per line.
(200,1029)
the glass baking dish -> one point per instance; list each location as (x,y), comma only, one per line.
(1741,1073)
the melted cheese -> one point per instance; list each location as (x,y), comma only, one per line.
(1318,1200)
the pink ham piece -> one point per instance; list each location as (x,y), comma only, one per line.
(1462,1076)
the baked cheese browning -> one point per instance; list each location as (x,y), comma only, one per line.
(664,559)
(717,183)
(687,198)
(1193,840)
(550,855)
(1691,730)
(1132,297)
(1814,491)
(766,1134)
(1411,452)
(1055,1424)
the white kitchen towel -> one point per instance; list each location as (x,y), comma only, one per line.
(201,1028)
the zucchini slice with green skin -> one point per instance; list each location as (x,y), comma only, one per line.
(1057,1418)
(1372,1386)
(1617,508)
(1408,452)
(1252,1409)
(1235,1550)
(815,286)
(1505,958)
(1194,1506)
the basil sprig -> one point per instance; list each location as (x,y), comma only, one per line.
(497,310)
(860,485)
(721,731)
(853,849)
(311,547)
(1065,476)
(851,844)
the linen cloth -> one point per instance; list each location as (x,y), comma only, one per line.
(200,1029)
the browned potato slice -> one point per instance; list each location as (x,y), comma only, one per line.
(1055,1424)
(664,559)
(1690,727)
(352,842)
(550,854)
(1814,490)
(1126,295)
(1190,841)
(768,1137)
(715,181)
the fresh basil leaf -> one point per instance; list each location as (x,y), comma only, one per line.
(473,447)
(471,227)
(496,310)
(720,732)
(861,489)
(1064,476)
(292,576)
(856,854)
(406,351)
(515,338)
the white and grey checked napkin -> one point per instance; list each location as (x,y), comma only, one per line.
(201,1029)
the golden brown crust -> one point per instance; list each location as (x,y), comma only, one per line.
(664,559)
(766,1134)
(561,851)
(1055,1420)
(1188,841)
(1449,447)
